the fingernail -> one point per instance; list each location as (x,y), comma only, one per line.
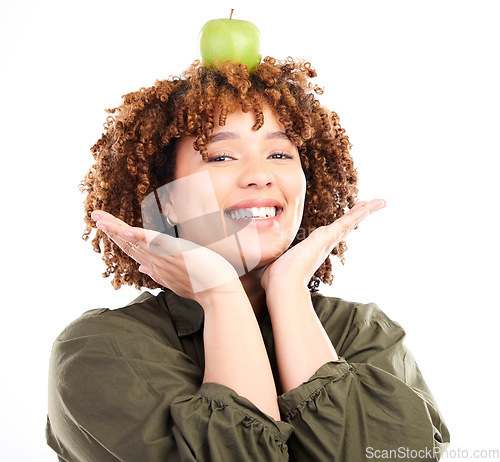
(101,226)
(129,234)
(95,216)
(381,204)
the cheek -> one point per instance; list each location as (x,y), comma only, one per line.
(223,186)
(198,199)
(295,186)
(193,196)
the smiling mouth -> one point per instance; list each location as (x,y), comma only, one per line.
(253,213)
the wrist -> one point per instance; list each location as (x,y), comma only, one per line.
(215,296)
(278,282)
(284,293)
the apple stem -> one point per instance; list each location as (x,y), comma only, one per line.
(231,16)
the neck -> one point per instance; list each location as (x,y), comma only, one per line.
(255,293)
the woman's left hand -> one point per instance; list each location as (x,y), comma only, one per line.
(298,264)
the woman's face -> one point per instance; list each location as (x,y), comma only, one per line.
(246,200)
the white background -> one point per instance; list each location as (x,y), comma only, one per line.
(416,85)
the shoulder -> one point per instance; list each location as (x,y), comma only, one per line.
(348,322)
(114,369)
(144,315)
(355,313)
(114,345)
(144,328)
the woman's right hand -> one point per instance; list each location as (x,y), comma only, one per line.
(235,354)
(189,270)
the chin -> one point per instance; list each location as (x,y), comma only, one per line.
(250,254)
(244,245)
(264,255)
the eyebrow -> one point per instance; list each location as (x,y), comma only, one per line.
(232,136)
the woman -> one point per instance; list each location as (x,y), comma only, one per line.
(238,357)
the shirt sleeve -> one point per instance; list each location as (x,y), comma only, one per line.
(370,404)
(126,395)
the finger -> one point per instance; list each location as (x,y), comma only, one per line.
(355,216)
(148,241)
(161,244)
(357,205)
(98,215)
(164,244)
(332,234)
(109,223)
(153,275)
(146,260)
(370,207)
(115,227)
(131,249)
(130,240)
(352,219)
(136,247)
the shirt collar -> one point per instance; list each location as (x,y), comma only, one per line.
(187,314)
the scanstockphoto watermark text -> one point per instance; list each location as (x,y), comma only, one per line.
(436,453)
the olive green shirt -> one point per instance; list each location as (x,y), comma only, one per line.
(126,385)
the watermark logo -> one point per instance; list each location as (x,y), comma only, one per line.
(199,225)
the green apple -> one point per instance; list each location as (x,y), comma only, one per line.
(222,40)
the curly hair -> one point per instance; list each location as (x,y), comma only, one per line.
(136,153)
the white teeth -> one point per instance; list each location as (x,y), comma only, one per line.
(254,212)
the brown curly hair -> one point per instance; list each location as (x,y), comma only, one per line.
(136,153)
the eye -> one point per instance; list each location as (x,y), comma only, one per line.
(281,155)
(220,157)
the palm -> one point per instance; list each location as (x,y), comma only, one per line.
(178,264)
(298,264)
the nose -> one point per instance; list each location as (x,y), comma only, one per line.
(257,174)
